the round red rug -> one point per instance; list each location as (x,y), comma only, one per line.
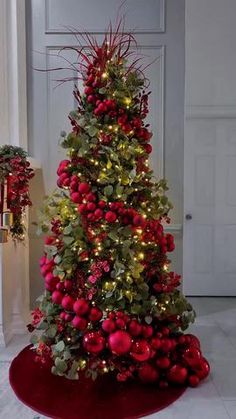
(60,398)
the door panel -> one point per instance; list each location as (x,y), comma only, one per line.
(210,197)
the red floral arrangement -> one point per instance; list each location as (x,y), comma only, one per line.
(15,174)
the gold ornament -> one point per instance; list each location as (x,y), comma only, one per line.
(3,235)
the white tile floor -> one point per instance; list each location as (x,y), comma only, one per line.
(214,399)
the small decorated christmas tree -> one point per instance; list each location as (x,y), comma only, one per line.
(112,304)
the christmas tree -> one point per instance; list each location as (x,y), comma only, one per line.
(112,303)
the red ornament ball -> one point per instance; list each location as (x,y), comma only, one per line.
(166,345)
(202,369)
(57,297)
(60,286)
(177,374)
(79,323)
(84,187)
(193,380)
(120,323)
(120,342)
(67,303)
(110,216)
(140,351)
(81,307)
(108,325)
(148,373)
(93,342)
(192,340)
(76,198)
(147,331)
(192,356)
(135,328)
(68,285)
(95,314)
(163,362)
(68,317)
(156,343)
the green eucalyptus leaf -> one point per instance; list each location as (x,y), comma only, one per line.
(60,346)
(61,365)
(108,190)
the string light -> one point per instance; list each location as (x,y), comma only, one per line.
(127,101)
(141,256)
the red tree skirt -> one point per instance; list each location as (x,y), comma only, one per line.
(105,398)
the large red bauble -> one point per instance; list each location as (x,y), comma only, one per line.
(110,216)
(81,307)
(108,325)
(84,187)
(135,328)
(177,374)
(57,297)
(140,350)
(93,342)
(79,323)
(67,303)
(192,356)
(95,314)
(202,369)
(148,373)
(120,342)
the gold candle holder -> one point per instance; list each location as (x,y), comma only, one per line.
(7,219)
(3,235)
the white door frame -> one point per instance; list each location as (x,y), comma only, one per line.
(14,266)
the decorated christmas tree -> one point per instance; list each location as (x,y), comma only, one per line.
(112,304)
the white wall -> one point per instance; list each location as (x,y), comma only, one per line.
(210,57)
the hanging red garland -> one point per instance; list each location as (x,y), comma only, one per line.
(15,174)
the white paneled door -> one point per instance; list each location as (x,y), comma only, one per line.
(210,206)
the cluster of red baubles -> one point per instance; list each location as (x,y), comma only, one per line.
(153,232)
(152,353)
(111,108)
(95,210)
(130,345)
